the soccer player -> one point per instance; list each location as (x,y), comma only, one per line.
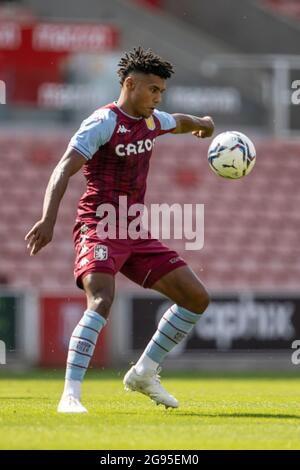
(114,146)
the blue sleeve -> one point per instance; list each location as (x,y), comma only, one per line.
(94,132)
(166,120)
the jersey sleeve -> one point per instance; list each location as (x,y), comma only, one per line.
(94,132)
(167,122)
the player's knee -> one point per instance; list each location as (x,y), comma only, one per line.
(101,303)
(203,300)
(199,302)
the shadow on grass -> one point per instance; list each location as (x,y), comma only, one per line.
(241,415)
(183,414)
(179,414)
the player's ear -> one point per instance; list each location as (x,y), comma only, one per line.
(129,83)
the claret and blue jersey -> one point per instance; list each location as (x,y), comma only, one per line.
(117,148)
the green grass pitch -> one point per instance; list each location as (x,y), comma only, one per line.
(234,411)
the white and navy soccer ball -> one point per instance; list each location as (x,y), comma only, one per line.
(231,155)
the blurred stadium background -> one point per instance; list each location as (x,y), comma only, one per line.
(236,61)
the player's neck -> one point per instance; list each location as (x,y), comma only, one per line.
(126,107)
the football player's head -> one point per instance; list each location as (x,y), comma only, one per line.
(143,77)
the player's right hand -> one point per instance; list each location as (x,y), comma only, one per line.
(207,128)
(39,236)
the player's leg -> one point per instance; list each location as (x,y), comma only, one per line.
(99,289)
(183,287)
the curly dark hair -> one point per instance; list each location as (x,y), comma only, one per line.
(145,61)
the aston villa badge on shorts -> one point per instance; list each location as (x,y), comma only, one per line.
(100,252)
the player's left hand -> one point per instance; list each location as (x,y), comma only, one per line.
(207,130)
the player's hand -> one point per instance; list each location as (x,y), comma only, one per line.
(39,236)
(208,128)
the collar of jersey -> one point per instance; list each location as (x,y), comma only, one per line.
(127,115)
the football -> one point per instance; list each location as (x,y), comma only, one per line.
(231,155)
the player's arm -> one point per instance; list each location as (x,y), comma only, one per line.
(42,232)
(200,127)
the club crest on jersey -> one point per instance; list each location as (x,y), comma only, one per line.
(100,252)
(150,123)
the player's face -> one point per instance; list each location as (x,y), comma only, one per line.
(145,93)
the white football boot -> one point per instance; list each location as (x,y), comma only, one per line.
(70,404)
(149,384)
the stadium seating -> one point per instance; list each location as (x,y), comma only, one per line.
(251,225)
